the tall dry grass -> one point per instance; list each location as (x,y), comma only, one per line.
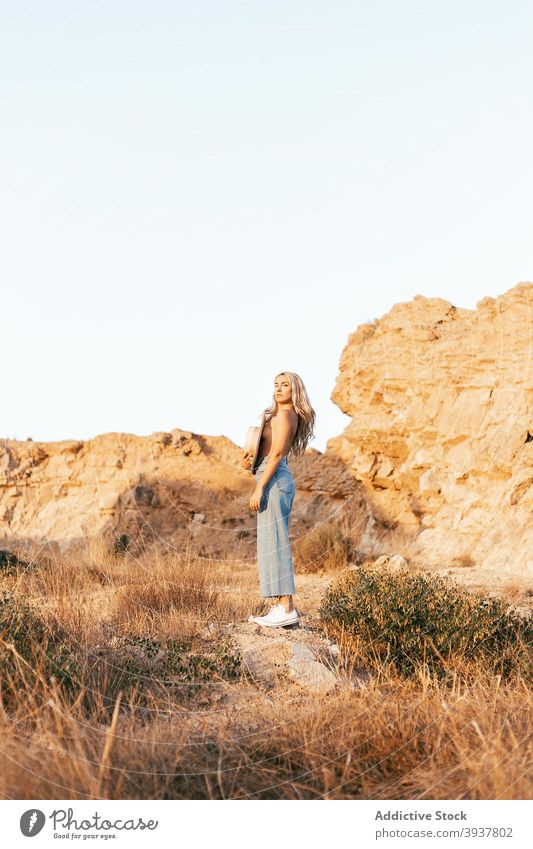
(121,735)
(388,740)
(326,549)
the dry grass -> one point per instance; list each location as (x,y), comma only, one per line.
(325,550)
(119,734)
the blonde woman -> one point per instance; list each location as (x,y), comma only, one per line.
(288,427)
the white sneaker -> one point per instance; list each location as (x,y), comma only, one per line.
(277,617)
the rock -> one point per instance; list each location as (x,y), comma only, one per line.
(436,460)
(149,488)
(392,561)
(312,675)
(381,561)
(441,431)
(267,656)
(264,661)
(398,562)
(302,652)
(211,629)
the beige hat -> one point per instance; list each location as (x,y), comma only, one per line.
(253,440)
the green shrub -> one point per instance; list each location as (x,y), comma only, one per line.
(43,650)
(121,544)
(10,563)
(142,664)
(413,620)
(202,662)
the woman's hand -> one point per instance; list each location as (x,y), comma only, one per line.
(246,461)
(256,497)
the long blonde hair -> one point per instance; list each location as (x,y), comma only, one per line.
(304,410)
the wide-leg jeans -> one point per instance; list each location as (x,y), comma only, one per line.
(274,556)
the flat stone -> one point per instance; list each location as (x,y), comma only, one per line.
(302,652)
(213,628)
(398,562)
(264,662)
(312,675)
(392,561)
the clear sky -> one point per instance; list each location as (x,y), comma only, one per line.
(197,195)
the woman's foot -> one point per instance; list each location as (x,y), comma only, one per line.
(277,617)
(286,601)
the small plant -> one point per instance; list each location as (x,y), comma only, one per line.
(10,563)
(28,646)
(412,620)
(147,645)
(145,664)
(121,544)
(202,663)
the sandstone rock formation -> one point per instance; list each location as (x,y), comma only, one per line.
(435,465)
(441,435)
(178,488)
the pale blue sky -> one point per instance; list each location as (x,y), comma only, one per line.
(198,195)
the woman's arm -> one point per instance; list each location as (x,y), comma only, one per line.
(281,429)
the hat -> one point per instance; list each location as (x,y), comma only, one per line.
(253,440)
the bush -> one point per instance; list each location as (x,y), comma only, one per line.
(10,563)
(413,620)
(324,549)
(176,666)
(195,661)
(44,652)
(121,544)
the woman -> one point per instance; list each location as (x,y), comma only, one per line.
(287,430)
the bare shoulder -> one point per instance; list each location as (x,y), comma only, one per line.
(290,416)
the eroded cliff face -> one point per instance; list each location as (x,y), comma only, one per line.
(436,464)
(175,488)
(441,435)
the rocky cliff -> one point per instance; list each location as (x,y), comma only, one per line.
(441,435)
(436,464)
(174,487)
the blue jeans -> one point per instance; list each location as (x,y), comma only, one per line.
(274,556)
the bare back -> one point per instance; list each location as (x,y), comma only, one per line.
(266,437)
